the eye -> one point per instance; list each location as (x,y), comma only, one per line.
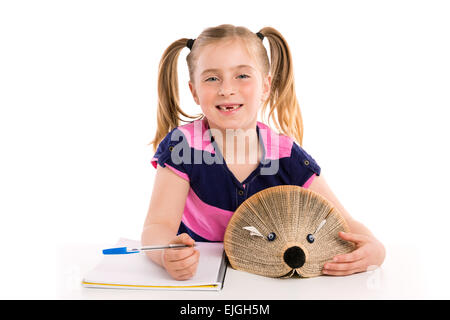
(246,76)
(210,78)
(310,238)
(271,236)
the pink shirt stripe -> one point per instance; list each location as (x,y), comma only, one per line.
(178,172)
(309,181)
(277,145)
(205,220)
(197,136)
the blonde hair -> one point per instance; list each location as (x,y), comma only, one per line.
(284,109)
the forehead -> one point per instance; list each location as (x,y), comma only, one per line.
(224,56)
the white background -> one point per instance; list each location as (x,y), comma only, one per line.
(78,108)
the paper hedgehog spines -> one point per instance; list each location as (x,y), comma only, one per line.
(284,230)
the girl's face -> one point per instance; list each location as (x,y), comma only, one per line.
(229,86)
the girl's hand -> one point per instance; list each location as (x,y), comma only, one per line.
(369,251)
(181,263)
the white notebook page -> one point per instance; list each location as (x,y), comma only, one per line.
(137,271)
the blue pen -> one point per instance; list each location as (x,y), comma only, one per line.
(127,250)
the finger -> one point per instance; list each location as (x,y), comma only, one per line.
(341,273)
(180,275)
(184,276)
(187,273)
(183,263)
(355,255)
(183,238)
(191,270)
(361,264)
(353,237)
(186,264)
(173,255)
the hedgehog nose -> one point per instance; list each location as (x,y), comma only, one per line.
(294,257)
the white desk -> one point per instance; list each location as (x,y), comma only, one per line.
(400,277)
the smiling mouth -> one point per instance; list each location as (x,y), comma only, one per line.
(229,107)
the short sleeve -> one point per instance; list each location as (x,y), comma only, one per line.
(172,152)
(303,168)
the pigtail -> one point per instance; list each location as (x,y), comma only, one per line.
(282,99)
(169,110)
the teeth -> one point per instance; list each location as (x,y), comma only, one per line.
(229,108)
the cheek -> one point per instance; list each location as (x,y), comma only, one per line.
(251,91)
(206,94)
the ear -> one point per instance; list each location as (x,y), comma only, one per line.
(253,231)
(194,92)
(267,82)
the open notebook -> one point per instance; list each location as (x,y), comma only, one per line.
(137,271)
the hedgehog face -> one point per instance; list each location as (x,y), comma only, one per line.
(290,254)
(284,230)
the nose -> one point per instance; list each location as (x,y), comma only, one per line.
(226,89)
(294,257)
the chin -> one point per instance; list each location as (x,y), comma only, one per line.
(235,123)
(232,125)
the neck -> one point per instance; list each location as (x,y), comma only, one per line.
(238,146)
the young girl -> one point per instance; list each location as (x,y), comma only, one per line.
(208,167)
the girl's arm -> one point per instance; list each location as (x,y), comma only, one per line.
(369,251)
(163,220)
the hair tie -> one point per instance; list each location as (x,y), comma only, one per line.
(260,35)
(190,43)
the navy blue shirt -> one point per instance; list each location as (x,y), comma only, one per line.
(215,193)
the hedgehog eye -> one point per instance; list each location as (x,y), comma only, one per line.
(310,237)
(271,236)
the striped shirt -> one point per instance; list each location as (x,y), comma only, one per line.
(215,193)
